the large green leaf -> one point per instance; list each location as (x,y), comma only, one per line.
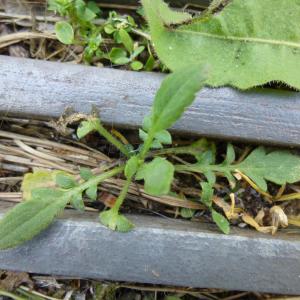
(248,43)
(29,218)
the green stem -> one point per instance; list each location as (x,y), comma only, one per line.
(122,195)
(96,180)
(147,145)
(177,150)
(197,169)
(112,140)
(13,296)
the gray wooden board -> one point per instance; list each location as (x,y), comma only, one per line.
(180,3)
(160,251)
(42,88)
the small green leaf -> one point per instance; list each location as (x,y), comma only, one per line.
(206,157)
(93,7)
(86,173)
(143,135)
(230,155)
(207,193)
(147,122)
(126,40)
(118,56)
(175,94)
(136,65)
(164,137)
(92,191)
(149,65)
(187,213)
(158,176)
(65,180)
(221,221)
(77,202)
(210,176)
(88,15)
(28,219)
(131,167)
(87,127)
(64,32)
(109,29)
(115,221)
(137,51)
(156,144)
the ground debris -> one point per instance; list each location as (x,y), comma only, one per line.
(9,281)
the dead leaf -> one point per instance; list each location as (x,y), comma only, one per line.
(108,199)
(229,210)
(279,218)
(259,217)
(250,221)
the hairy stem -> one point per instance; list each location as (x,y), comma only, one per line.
(147,145)
(96,180)
(122,195)
(109,137)
(177,150)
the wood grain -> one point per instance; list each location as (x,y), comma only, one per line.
(32,87)
(160,251)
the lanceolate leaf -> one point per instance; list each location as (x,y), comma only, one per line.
(175,94)
(248,43)
(28,219)
(221,221)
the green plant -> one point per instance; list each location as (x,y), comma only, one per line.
(248,43)
(83,28)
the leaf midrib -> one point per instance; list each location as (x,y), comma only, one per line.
(241,39)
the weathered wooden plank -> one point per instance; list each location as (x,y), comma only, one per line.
(124,98)
(160,251)
(179,3)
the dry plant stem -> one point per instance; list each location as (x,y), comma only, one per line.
(51,144)
(142,34)
(254,186)
(138,190)
(51,19)
(292,196)
(13,38)
(118,6)
(37,153)
(24,288)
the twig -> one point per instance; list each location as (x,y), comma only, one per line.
(13,38)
